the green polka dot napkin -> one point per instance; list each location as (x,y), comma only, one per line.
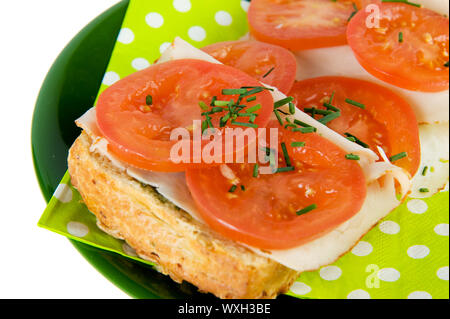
(404,256)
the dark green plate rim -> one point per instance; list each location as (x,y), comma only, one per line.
(69,89)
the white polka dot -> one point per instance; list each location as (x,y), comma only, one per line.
(140,63)
(358,294)
(441,229)
(419,295)
(389,227)
(164,46)
(330,272)
(245,5)
(442,273)
(223,18)
(388,274)
(63,193)
(300,288)
(77,229)
(197,33)
(110,78)
(154,19)
(363,248)
(418,251)
(182,5)
(417,206)
(127,249)
(126,36)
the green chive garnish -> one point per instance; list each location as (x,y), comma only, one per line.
(331,107)
(244,124)
(255,170)
(253,108)
(446,64)
(278,117)
(398,156)
(302,123)
(424,190)
(149,100)
(298,144)
(304,129)
(283,102)
(306,209)
(400,37)
(353,138)
(252,98)
(360,105)
(285,169)
(328,118)
(424,171)
(243,187)
(316,111)
(232,189)
(203,106)
(352,157)
(233,91)
(285,154)
(291,108)
(268,72)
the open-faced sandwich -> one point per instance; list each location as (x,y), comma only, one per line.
(226,172)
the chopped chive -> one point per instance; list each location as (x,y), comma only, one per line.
(331,107)
(328,118)
(221,103)
(398,156)
(283,102)
(224,119)
(290,125)
(355,8)
(352,157)
(244,124)
(424,171)
(251,92)
(149,100)
(302,123)
(252,98)
(285,169)
(233,91)
(291,108)
(255,170)
(268,72)
(232,189)
(252,118)
(204,126)
(213,100)
(243,187)
(316,111)
(306,209)
(351,137)
(446,64)
(278,117)
(256,87)
(246,114)
(332,97)
(400,37)
(253,108)
(203,105)
(298,144)
(424,190)
(360,105)
(304,130)
(285,154)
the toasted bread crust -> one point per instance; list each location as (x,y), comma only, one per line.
(182,247)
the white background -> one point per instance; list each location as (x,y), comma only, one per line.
(36,263)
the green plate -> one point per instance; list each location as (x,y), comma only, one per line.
(68,91)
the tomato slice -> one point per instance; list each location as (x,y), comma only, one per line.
(409,49)
(387,120)
(267,63)
(139,134)
(264,213)
(300,24)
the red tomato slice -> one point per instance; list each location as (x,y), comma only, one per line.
(264,214)
(409,49)
(139,134)
(258,59)
(300,24)
(387,120)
